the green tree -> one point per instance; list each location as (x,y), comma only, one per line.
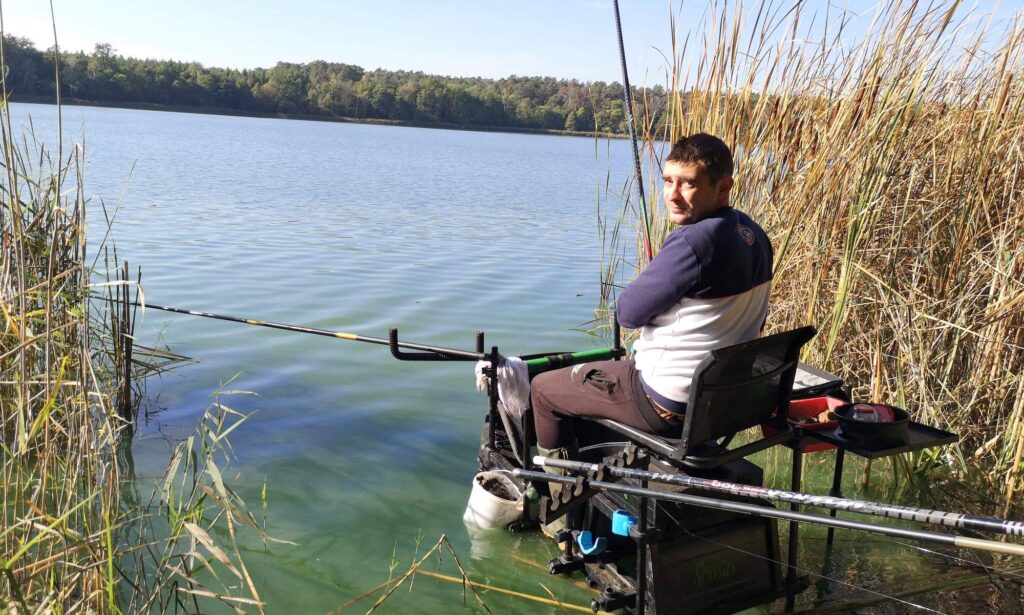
(288,83)
(28,70)
(329,89)
(580,120)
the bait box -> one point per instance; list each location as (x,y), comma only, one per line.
(811,407)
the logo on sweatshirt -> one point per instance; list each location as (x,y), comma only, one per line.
(746,233)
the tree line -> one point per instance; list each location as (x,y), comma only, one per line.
(325,89)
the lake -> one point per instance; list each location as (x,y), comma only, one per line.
(359,228)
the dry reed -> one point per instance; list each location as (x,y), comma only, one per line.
(885,161)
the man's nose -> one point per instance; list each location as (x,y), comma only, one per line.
(673,192)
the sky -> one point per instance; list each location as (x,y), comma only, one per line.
(571,39)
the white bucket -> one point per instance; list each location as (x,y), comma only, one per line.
(494,502)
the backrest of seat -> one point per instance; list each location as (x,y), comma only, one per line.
(738,387)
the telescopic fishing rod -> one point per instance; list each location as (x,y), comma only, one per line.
(534,365)
(392,341)
(767,511)
(628,94)
(879,509)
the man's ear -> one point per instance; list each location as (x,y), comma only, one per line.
(724,186)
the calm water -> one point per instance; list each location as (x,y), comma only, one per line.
(356,228)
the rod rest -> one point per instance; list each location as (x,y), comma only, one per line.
(570,497)
(573,496)
(434,354)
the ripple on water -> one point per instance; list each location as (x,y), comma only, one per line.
(356,228)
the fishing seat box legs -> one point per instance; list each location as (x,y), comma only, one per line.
(696,560)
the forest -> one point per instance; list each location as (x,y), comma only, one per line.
(324,90)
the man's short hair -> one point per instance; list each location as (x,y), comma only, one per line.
(706,150)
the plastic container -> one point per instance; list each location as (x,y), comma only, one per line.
(811,407)
(865,413)
(891,430)
(494,502)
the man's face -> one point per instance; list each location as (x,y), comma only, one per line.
(690,196)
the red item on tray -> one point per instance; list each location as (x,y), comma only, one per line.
(885,413)
(812,408)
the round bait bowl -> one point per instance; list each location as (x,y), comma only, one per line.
(891,430)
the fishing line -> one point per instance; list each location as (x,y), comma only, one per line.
(965,563)
(990,571)
(799,569)
(694,500)
(961,521)
(785,564)
(953,540)
(824,577)
(988,574)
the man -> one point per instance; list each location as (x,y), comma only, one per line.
(707,288)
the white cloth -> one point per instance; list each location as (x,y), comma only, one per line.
(513,384)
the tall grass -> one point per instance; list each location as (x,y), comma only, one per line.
(60,489)
(74,534)
(884,155)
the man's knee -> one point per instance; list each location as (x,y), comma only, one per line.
(540,387)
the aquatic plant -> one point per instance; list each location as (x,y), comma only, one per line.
(883,155)
(73,536)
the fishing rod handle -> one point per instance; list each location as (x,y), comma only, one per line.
(1008,548)
(564,464)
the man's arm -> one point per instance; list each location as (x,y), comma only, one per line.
(673,272)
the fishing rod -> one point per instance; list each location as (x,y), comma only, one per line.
(892,511)
(392,341)
(627,93)
(951,540)
(534,365)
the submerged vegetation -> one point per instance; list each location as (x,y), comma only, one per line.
(884,155)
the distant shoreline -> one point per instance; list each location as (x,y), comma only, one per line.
(50,100)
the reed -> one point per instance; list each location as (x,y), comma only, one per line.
(883,155)
(74,533)
(56,428)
